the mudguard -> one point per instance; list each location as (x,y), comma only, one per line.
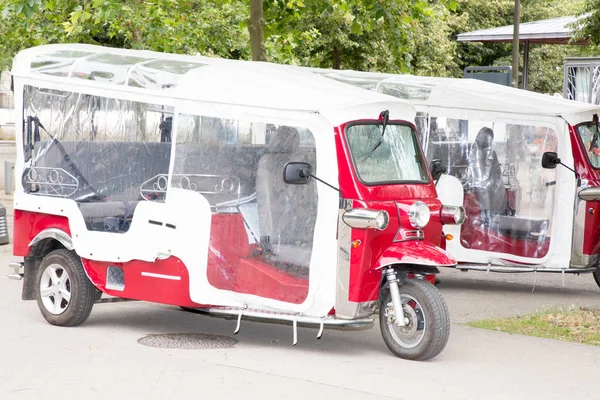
(415,253)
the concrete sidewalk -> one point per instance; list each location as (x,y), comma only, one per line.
(102,359)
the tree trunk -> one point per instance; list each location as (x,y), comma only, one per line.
(515,49)
(337,57)
(255,27)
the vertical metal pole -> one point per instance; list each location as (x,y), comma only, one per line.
(515,52)
(526,64)
(9,168)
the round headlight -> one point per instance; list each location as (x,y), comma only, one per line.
(419,214)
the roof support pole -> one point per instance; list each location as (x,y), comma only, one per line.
(515,50)
(525,64)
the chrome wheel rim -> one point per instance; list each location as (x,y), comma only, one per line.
(55,289)
(412,334)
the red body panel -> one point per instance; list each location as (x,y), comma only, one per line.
(232,265)
(591,234)
(396,200)
(416,252)
(147,288)
(262,279)
(27,225)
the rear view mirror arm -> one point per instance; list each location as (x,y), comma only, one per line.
(577,176)
(304,173)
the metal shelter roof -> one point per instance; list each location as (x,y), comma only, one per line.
(545,31)
(549,31)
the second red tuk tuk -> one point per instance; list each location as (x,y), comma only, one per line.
(499,147)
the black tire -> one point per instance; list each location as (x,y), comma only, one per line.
(83,293)
(596,273)
(433,319)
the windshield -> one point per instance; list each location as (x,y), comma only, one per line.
(392,158)
(588,132)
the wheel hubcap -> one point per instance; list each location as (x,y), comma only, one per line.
(55,289)
(413,332)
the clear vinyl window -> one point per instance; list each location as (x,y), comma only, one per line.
(262,228)
(94,150)
(590,134)
(508,196)
(383,157)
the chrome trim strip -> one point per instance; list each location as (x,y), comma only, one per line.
(161,276)
(586,261)
(344,308)
(577,256)
(404,235)
(428,264)
(590,194)
(53,233)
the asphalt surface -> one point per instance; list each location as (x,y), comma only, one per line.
(103,359)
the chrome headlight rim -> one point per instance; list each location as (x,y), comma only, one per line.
(365,218)
(419,214)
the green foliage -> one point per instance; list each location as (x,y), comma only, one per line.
(405,36)
(590,24)
(216,27)
(355,34)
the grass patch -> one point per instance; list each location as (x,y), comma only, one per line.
(576,324)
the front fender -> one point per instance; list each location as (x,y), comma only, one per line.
(415,252)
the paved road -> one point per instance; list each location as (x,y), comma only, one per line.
(102,358)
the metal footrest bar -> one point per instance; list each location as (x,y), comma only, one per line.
(17,275)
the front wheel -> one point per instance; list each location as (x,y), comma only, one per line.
(597,272)
(426,333)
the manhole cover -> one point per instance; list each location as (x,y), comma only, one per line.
(187,341)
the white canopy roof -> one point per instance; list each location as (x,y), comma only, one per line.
(241,83)
(466,94)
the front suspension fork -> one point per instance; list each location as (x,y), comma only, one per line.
(392,278)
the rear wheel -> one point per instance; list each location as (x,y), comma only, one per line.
(65,294)
(428,322)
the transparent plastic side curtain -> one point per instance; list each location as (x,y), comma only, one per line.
(262,227)
(508,196)
(94,150)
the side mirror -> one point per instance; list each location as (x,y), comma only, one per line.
(550,160)
(297,173)
(437,169)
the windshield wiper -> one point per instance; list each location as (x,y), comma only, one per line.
(384,117)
